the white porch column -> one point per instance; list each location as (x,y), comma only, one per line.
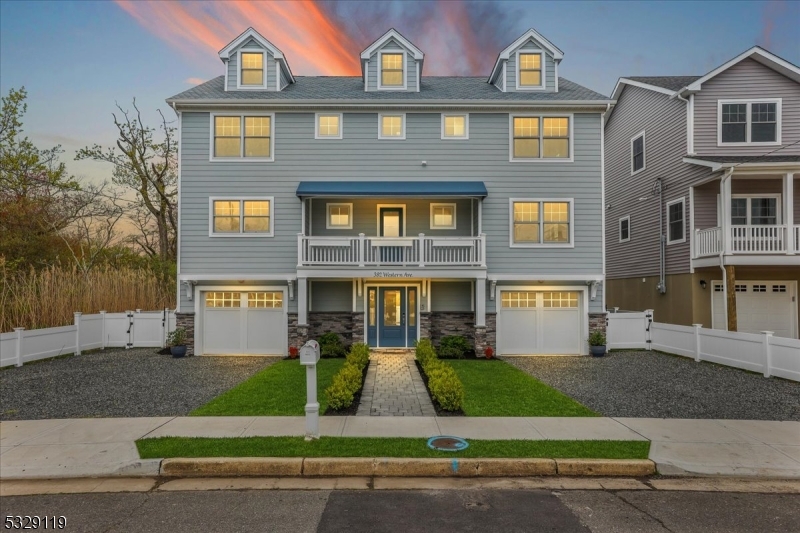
(788,217)
(302,301)
(480,302)
(726,217)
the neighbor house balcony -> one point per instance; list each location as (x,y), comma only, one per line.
(747,240)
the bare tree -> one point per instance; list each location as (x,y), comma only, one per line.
(149,167)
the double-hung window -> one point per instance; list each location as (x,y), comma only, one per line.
(252,71)
(743,122)
(392,75)
(530,70)
(541,222)
(246,137)
(537,138)
(755,210)
(676,221)
(241,217)
(637,153)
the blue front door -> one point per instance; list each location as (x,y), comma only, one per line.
(392,317)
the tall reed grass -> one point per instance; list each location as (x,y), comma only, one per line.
(49,297)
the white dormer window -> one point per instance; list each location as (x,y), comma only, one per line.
(392,75)
(529,70)
(252,71)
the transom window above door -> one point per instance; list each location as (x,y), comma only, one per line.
(755,211)
(340,216)
(744,122)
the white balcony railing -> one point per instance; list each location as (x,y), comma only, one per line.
(391,251)
(747,240)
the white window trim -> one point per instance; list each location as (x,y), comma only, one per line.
(239,69)
(382,87)
(380,126)
(644,152)
(328,137)
(241,157)
(748,126)
(466,126)
(328,224)
(569,116)
(628,219)
(570,244)
(241,199)
(378,218)
(541,62)
(682,201)
(777,196)
(433,226)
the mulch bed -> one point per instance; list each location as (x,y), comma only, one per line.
(353,409)
(439,410)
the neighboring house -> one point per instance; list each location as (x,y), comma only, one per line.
(725,150)
(390,206)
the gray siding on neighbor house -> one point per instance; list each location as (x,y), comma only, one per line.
(548,67)
(365,217)
(451,296)
(233,65)
(331,296)
(410,66)
(747,79)
(664,122)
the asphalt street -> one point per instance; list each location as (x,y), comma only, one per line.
(416,511)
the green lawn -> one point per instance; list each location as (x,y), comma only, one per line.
(278,390)
(496,388)
(164,447)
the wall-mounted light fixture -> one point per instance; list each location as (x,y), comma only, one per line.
(703,284)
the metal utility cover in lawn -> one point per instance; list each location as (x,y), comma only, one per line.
(447,444)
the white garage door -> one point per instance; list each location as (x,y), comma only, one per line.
(760,306)
(244,323)
(539,322)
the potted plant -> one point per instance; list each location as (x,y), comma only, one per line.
(177,342)
(488,352)
(597,343)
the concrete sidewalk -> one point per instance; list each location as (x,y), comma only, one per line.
(105,447)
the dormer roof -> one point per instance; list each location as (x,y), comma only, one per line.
(397,36)
(251,33)
(556,52)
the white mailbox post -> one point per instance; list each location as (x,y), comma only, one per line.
(309,356)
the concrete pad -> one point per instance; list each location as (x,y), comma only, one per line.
(605,467)
(99,430)
(792,451)
(72,460)
(582,428)
(390,426)
(766,431)
(682,430)
(726,459)
(26,487)
(232,466)
(4,449)
(16,432)
(292,426)
(487,428)
(203,426)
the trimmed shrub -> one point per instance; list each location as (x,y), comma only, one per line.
(348,380)
(359,355)
(330,345)
(453,347)
(340,395)
(443,382)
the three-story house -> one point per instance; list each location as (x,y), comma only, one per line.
(703,217)
(390,206)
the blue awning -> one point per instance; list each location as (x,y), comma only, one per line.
(381,189)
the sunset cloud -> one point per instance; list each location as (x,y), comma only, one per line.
(194,81)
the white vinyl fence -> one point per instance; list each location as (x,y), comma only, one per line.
(773,356)
(131,329)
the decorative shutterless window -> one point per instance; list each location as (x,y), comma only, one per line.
(223,299)
(744,122)
(242,137)
(514,299)
(241,217)
(391,126)
(625,229)
(541,222)
(530,70)
(340,216)
(560,299)
(391,70)
(265,300)
(637,153)
(755,211)
(329,126)
(676,212)
(540,138)
(443,216)
(455,126)
(252,69)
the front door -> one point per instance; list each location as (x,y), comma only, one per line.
(392,317)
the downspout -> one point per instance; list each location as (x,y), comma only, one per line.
(662,282)
(723,217)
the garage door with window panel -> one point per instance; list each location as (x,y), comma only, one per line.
(760,306)
(244,322)
(539,322)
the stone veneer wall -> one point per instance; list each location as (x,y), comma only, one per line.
(444,323)
(340,323)
(597,321)
(186,321)
(358,328)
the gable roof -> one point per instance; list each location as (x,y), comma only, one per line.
(672,83)
(756,53)
(246,35)
(556,52)
(397,36)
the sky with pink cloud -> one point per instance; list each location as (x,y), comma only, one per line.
(76,59)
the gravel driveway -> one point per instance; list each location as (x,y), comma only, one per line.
(655,385)
(120,383)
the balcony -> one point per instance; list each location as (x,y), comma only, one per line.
(747,240)
(363,251)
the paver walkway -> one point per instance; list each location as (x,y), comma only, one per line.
(394,387)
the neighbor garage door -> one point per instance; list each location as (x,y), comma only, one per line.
(539,322)
(760,306)
(244,323)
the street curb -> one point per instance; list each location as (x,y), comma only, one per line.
(401,467)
